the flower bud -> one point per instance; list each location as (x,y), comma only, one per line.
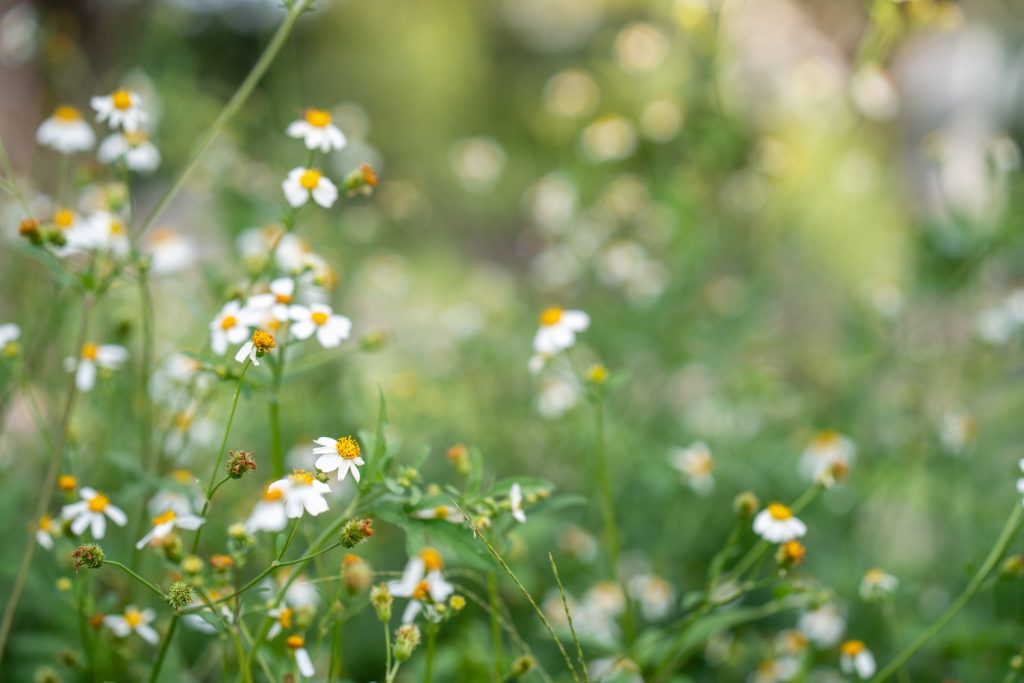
(356,573)
(746,504)
(523,665)
(180,595)
(89,555)
(458,456)
(222,563)
(597,374)
(237,531)
(240,462)
(355,531)
(29,229)
(457,602)
(790,554)
(406,639)
(172,547)
(1013,566)
(64,584)
(46,674)
(363,180)
(193,564)
(381,598)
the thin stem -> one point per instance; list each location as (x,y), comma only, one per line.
(233,106)
(568,616)
(431,646)
(161,655)
(49,482)
(492,598)
(387,646)
(1002,542)
(135,576)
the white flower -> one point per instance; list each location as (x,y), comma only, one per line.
(776,670)
(776,524)
(515,501)
(297,645)
(231,326)
(423,583)
(255,245)
(109,234)
(1020,482)
(829,453)
(330,328)
(90,511)
(45,530)
(317,131)
(303,183)
(446,513)
(854,657)
(823,626)
(259,344)
(877,585)
(284,617)
(558,330)
(106,356)
(556,396)
(133,620)
(268,514)
(958,430)
(302,492)
(66,132)
(655,595)
(338,454)
(120,109)
(169,251)
(181,503)
(9,333)
(165,523)
(138,152)
(277,301)
(696,464)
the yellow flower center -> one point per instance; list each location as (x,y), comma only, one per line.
(116,228)
(67,482)
(45,523)
(134,138)
(319,317)
(183,476)
(421,591)
(99,503)
(295,642)
(874,576)
(285,617)
(64,219)
(794,551)
(263,341)
(66,114)
(272,495)
(318,118)
(441,512)
(167,516)
(283,298)
(133,617)
(182,421)
(852,648)
(309,179)
(826,439)
(90,352)
(302,477)
(227,322)
(432,560)
(347,448)
(779,511)
(550,316)
(122,99)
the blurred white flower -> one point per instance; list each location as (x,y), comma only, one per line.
(776,524)
(775,670)
(120,109)
(109,233)
(874,94)
(138,152)
(133,620)
(515,501)
(303,183)
(423,583)
(823,626)
(317,131)
(303,493)
(855,658)
(556,396)
(444,513)
(655,595)
(66,131)
(230,327)
(297,645)
(45,530)
(169,251)
(9,334)
(696,463)
(957,430)
(477,162)
(558,328)
(277,301)
(877,585)
(165,523)
(329,327)
(827,457)
(92,357)
(268,514)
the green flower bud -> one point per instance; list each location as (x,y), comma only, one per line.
(381,598)
(180,595)
(406,639)
(355,531)
(89,555)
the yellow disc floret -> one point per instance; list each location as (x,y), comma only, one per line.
(318,118)
(67,482)
(227,322)
(263,341)
(852,648)
(319,317)
(550,316)
(302,477)
(347,447)
(167,516)
(66,114)
(99,503)
(122,99)
(64,219)
(295,642)
(309,179)
(90,352)
(133,617)
(432,560)
(779,511)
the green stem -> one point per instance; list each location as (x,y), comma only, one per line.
(568,617)
(387,648)
(1005,537)
(145,404)
(135,576)
(219,460)
(759,548)
(49,483)
(431,646)
(273,403)
(492,599)
(161,655)
(233,106)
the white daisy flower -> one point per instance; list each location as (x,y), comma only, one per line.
(297,644)
(446,513)
(316,131)
(284,619)
(109,234)
(776,670)
(182,504)
(256,244)
(515,501)
(823,626)
(45,531)
(877,585)
(277,301)
(303,492)
(829,453)
(557,396)
(138,152)
(9,334)
(78,234)
(856,658)
(93,356)
(341,454)
(66,131)
(303,183)
(330,328)
(120,109)
(655,595)
(230,327)
(423,583)
(135,620)
(558,328)
(268,514)
(696,463)
(165,523)
(169,251)
(92,511)
(776,524)
(259,344)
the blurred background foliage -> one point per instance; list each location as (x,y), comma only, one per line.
(782,217)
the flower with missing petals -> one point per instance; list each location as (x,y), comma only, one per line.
(558,328)
(258,345)
(856,658)
(165,523)
(297,644)
(317,131)
(94,356)
(423,583)
(138,153)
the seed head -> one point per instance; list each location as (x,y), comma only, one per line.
(180,595)
(355,531)
(89,555)
(240,462)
